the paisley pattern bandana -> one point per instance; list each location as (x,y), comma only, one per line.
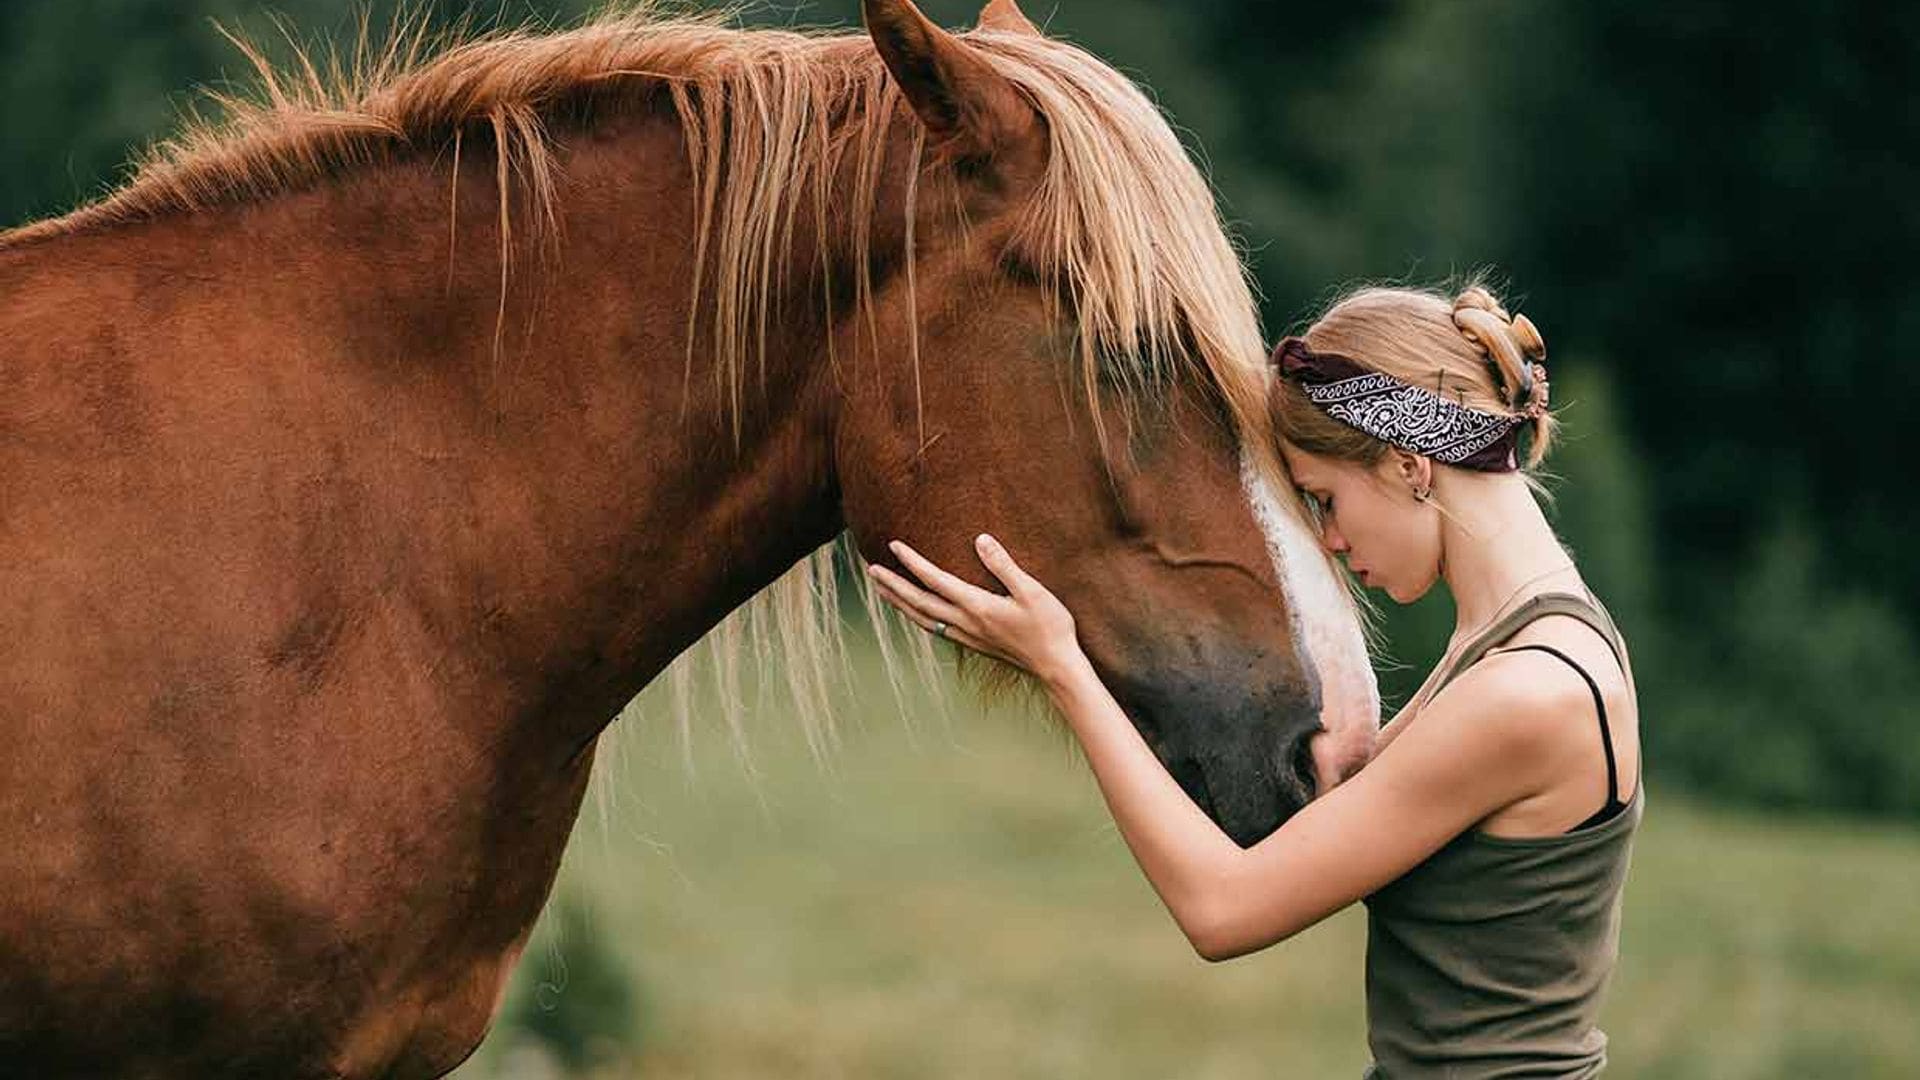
(1400,414)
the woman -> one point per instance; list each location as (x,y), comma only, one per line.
(1489,835)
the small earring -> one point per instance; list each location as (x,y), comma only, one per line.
(1422,494)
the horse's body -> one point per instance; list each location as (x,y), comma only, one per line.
(326,557)
(267,521)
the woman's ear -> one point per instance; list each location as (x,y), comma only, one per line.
(1416,470)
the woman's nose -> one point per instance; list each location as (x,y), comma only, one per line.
(1331,539)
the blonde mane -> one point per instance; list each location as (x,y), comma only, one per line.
(1122,222)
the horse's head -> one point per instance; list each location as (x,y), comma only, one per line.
(1069,357)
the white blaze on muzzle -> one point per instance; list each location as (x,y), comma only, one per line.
(1326,628)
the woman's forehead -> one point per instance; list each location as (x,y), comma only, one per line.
(1307,469)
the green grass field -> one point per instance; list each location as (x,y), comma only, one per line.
(947,898)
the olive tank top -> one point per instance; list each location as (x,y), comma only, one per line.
(1489,959)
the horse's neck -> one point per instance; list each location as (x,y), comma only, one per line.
(567,482)
(713,486)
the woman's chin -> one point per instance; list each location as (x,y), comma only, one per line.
(1397,593)
(1402,595)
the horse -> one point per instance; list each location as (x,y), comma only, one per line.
(375,441)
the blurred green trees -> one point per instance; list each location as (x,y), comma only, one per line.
(1705,209)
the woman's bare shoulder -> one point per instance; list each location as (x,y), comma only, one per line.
(1527,683)
(1523,685)
(1581,643)
(1509,709)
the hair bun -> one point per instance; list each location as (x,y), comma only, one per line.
(1527,336)
(1477,298)
(1510,344)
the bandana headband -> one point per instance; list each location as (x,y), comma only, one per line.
(1400,414)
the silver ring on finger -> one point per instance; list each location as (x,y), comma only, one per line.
(939,629)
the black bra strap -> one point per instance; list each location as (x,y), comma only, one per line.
(1606,735)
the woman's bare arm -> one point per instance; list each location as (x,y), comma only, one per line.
(1479,748)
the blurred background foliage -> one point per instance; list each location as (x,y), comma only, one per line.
(1698,203)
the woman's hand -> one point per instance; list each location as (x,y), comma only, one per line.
(1028,627)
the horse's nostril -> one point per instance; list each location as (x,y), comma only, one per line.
(1299,773)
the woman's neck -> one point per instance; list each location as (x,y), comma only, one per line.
(1496,547)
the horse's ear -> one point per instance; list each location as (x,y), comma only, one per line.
(1006,17)
(966,105)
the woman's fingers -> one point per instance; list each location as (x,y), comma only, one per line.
(996,558)
(905,608)
(956,590)
(924,607)
(961,637)
(945,628)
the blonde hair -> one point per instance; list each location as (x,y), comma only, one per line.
(1467,349)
